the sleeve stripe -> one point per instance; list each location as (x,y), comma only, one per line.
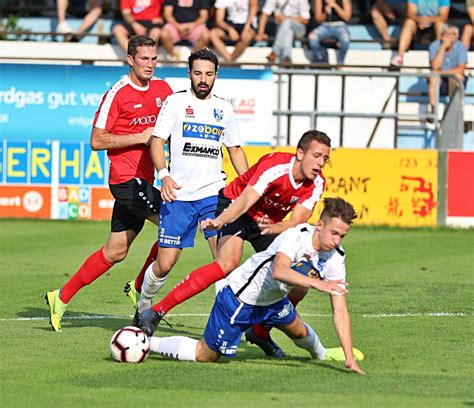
(310,202)
(268,176)
(104,109)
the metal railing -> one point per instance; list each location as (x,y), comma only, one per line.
(448,132)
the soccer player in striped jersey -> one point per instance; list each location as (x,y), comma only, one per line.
(256,204)
(123,126)
(258,289)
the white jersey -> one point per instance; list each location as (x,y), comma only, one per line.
(237,11)
(252,281)
(197,130)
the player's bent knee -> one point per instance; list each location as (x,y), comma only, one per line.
(228,265)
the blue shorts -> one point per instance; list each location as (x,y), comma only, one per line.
(230,318)
(179,221)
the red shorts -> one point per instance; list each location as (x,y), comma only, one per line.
(193,36)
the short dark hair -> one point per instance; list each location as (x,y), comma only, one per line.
(338,208)
(203,54)
(311,136)
(139,41)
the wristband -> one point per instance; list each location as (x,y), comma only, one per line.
(163,173)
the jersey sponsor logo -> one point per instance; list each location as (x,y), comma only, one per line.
(138,105)
(189,112)
(285,311)
(321,264)
(143,120)
(277,205)
(218,114)
(164,238)
(197,150)
(202,131)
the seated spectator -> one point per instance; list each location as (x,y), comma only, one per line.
(468,30)
(237,27)
(93,10)
(332,16)
(385,12)
(422,16)
(447,56)
(185,20)
(291,17)
(139,18)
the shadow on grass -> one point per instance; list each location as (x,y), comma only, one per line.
(78,319)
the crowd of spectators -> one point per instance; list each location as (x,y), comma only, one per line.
(238,23)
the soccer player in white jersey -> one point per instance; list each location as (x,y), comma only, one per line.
(196,123)
(258,289)
(122,126)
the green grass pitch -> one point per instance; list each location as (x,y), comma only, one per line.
(411,303)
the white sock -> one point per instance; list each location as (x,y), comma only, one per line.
(176,347)
(150,287)
(312,343)
(220,284)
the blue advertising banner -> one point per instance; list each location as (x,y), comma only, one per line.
(58,102)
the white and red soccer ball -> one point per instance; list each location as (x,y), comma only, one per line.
(129,345)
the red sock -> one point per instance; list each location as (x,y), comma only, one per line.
(151,258)
(94,266)
(191,285)
(264,331)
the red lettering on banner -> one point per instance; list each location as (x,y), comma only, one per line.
(423,197)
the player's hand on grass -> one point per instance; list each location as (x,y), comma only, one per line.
(168,187)
(353,366)
(211,224)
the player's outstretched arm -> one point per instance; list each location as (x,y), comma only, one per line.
(299,215)
(241,204)
(282,271)
(342,323)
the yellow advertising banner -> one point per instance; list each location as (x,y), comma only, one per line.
(386,187)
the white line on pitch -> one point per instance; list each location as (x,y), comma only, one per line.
(99,317)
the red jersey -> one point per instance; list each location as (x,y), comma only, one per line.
(146,10)
(126,109)
(272,178)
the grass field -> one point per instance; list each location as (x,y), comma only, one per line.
(411,304)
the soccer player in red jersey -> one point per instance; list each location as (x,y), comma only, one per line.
(123,125)
(256,204)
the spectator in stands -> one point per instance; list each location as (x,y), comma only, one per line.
(185,20)
(140,18)
(237,27)
(447,56)
(93,9)
(385,12)
(468,31)
(332,16)
(422,16)
(291,17)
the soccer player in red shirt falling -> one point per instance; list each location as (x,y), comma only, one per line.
(123,125)
(255,205)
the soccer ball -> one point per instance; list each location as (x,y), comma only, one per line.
(129,345)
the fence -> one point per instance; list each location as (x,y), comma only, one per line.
(303,93)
